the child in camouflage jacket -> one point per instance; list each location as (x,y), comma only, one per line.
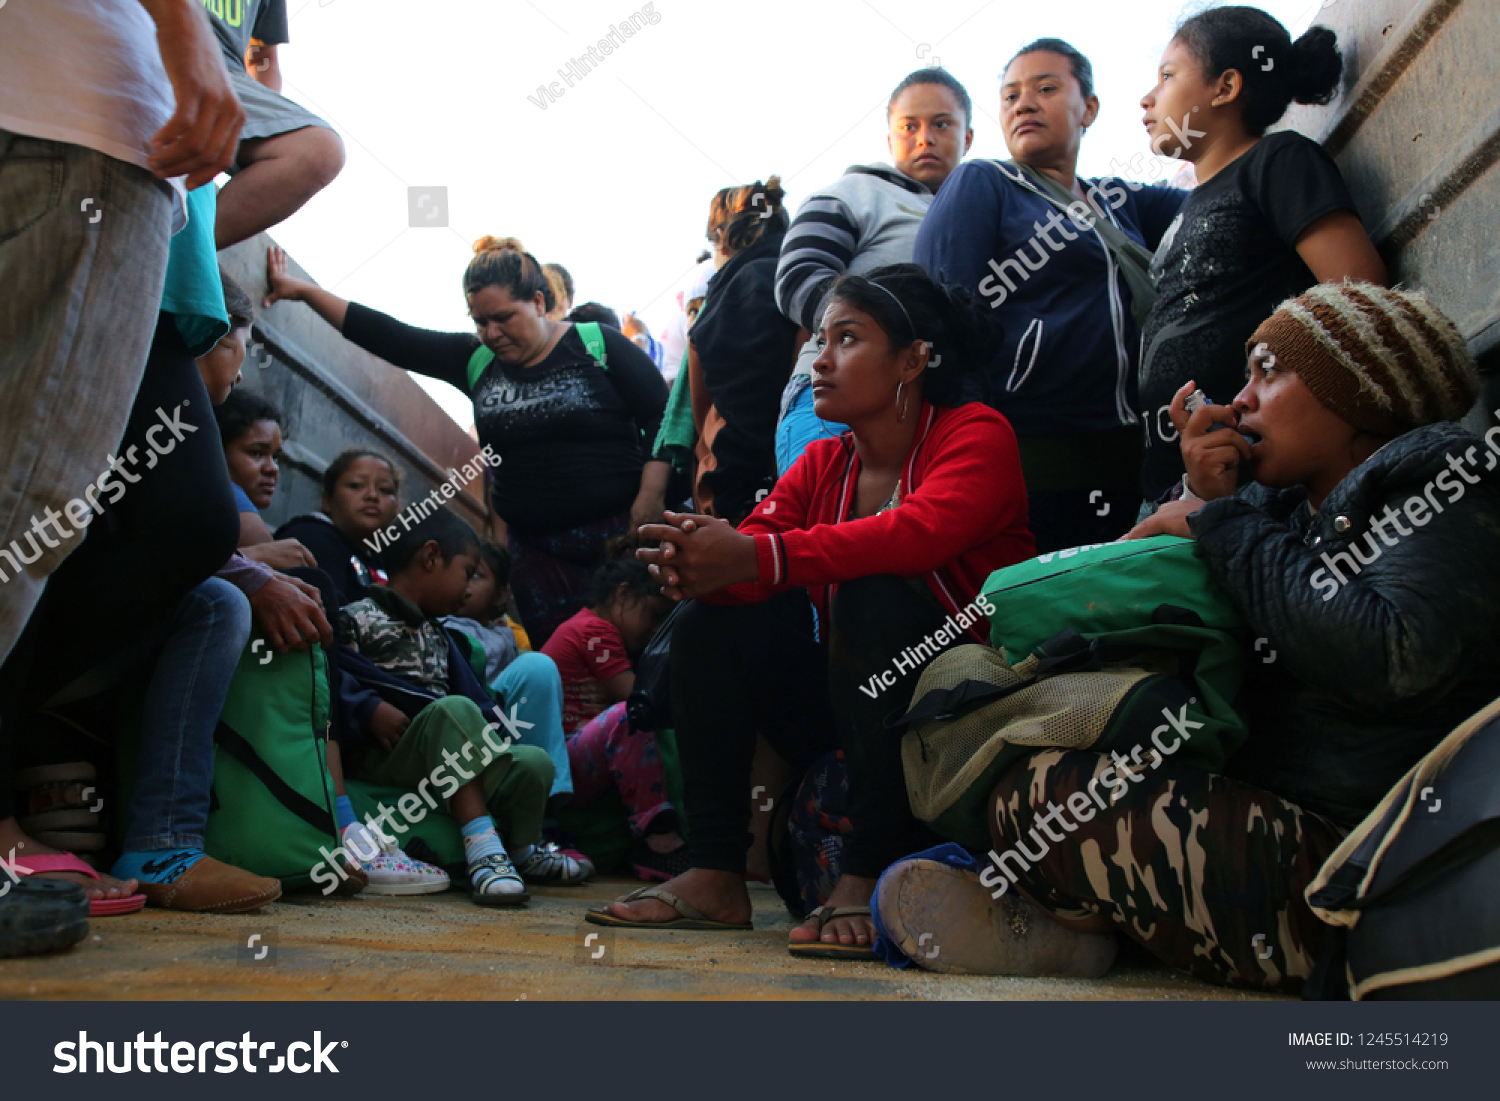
(438,727)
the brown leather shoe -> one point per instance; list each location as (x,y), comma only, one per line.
(215,887)
(355,880)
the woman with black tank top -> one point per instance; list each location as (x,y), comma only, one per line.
(572,432)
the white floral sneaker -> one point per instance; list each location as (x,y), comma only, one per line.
(391,871)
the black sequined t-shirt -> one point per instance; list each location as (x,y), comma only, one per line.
(572,436)
(1223,266)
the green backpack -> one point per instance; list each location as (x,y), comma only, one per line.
(272,811)
(1094,648)
(593,341)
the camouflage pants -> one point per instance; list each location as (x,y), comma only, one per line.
(1204,872)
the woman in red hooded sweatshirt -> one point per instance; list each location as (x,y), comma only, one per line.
(817,614)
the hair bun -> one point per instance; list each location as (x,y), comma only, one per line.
(498,244)
(1317,66)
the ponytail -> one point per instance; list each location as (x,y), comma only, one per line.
(1275,70)
(739,216)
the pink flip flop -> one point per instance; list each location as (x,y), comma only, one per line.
(67,862)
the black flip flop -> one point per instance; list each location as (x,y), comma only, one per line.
(823,950)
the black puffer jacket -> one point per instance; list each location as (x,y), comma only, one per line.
(1369,675)
(746,347)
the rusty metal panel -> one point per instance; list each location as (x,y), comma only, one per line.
(334,395)
(1416,132)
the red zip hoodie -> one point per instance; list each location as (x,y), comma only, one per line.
(962,516)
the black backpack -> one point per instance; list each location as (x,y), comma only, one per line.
(650,703)
(1414,891)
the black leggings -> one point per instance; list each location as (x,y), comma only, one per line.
(170,531)
(742,670)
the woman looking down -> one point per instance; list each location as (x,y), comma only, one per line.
(572,428)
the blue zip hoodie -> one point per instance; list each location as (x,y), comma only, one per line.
(1067,363)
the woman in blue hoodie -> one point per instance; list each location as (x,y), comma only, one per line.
(1064,374)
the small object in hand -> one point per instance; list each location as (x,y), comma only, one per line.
(1197,400)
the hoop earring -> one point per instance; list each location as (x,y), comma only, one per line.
(901,416)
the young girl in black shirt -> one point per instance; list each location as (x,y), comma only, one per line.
(1270,217)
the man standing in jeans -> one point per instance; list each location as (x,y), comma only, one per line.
(88,140)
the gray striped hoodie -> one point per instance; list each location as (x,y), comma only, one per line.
(865,219)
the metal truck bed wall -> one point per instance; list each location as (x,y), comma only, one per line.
(1416,131)
(334,395)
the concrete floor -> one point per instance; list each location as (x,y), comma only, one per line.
(443,947)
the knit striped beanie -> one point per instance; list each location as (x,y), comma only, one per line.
(1386,361)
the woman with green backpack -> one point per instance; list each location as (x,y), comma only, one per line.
(570,409)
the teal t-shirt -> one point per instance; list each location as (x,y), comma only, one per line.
(193,293)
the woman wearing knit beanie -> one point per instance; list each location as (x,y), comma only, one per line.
(1334,375)
(1365,561)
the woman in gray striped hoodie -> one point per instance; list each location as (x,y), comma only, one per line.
(865,219)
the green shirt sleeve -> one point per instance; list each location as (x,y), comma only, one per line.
(676,438)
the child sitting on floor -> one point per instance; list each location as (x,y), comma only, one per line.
(624,608)
(481,628)
(250,430)
(443,735)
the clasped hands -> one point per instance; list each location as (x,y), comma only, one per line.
(697,555)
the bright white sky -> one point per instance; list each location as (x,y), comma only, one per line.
(613,179)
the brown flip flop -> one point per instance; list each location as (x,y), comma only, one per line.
(691,917)
(822,950)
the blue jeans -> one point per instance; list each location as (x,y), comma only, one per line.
(174,766)
(534,686)
(799,425)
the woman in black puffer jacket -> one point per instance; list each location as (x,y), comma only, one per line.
(1366,565)
(1377,587)
(741,353)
